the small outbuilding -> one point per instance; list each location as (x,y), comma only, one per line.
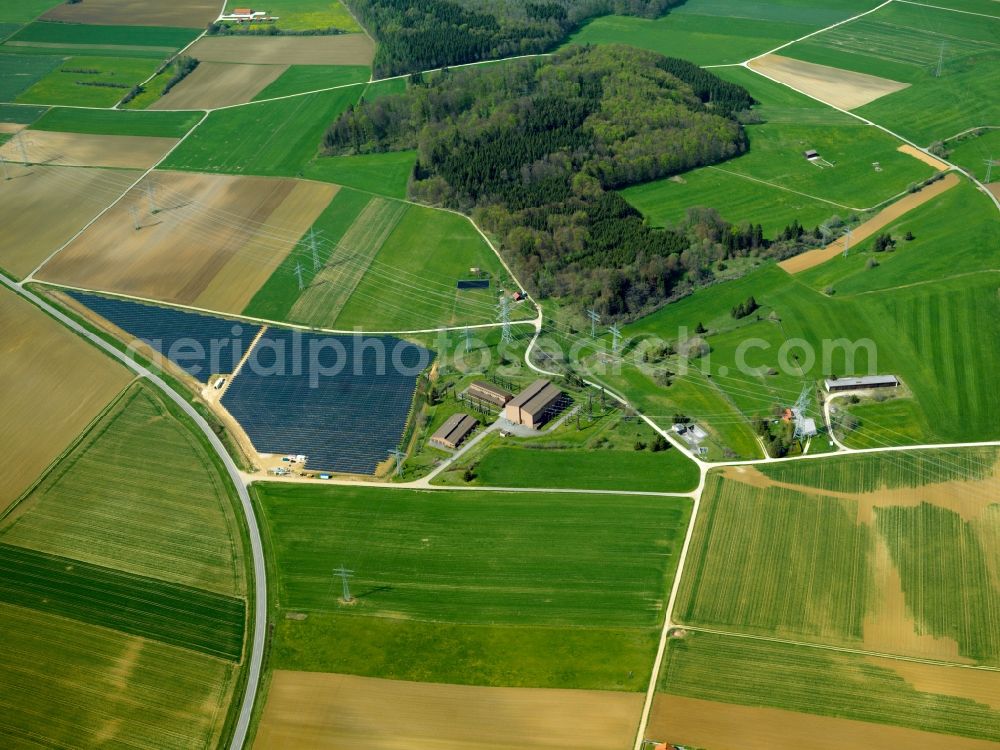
(484,391)
(535,405)
(811,154)
(454,431)
(838,385)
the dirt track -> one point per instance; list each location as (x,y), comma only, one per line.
(330,711)
(916,153)
(841,88)
(214,240)
(191,14)
(340,49)
(880,220)
(86,150)
(720,725)
(215,84)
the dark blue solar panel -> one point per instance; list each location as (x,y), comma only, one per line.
(474,284)
(203,345)
(342,401)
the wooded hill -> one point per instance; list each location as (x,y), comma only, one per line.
(424,34)
(535,148)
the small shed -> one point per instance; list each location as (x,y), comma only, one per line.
(811,154)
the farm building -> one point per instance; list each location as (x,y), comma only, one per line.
(494,394)
(248,15)
(455,430)
(836,385)
(811,154)
(535,405)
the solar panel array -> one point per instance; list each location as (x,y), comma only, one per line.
(474,284)
(202,345)
(289,399)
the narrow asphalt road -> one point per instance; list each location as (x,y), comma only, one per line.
(256,547)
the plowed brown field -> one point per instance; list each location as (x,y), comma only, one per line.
(340,49)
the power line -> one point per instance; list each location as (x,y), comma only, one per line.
(399,456)
(989,169)
(345,575)
(595,318)
(503,309)
(298,273)
(615,336)
(134,213)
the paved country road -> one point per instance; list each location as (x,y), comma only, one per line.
(256,548)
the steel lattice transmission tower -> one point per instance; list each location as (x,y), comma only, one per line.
(595,318)
(615,337)
(503,310)
(399,456)
(345,575)
(804,426)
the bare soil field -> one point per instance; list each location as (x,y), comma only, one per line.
(880,220)
(212,242)
(52,385)
(215,84)
(341,49)
(191,14)
(43,207)
(87,150)
(916,153)
(317,710)
(841,88)
(11,127)
(688,721)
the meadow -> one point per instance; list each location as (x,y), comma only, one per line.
(474,557)
(271,138)
(382,174)
(753,552)
(367,247)
(463,654)
(147,607)
(305,15)
(20,113)
(953,235)
(905,42)
(800,678)
(171,519)
(52,33)
(89,81)
(24,11)
(973,153)
(19,72)
(117,122)
(301,78)
(66,683)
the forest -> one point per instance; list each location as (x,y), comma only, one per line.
(424,34)
(536,149)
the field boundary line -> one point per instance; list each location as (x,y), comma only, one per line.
(264,321)
(791,190)
(920,283)
(843,649)
(950,10)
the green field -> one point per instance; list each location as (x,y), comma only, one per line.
(172,518)
(20,113)
(373,250)
(973,153)
(305,15)
(271,138)
(598,467)
(799,678)
(475,557)
(64,683)
(953,235)
(300,78)
(54,33)
(24,11)
(486,587)
(382,174)
(177,615)
(103,82)
(117,122)
(904,42)
(19,72)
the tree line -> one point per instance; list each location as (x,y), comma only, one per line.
(424,34)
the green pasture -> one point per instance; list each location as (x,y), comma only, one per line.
(973,152)
(171,518)
(894,421)
(906,42)
(19,72)
(117,122)
(105,81)
(955,234)
(176,615)
(66,683)
(776,562)
(301,78)
(308,15)
(752,672)
(382,174)
(18,113)
(270,138)
(55,33)
(152,90)
(387,87)
(24,11)
(461,654)
(474,557)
